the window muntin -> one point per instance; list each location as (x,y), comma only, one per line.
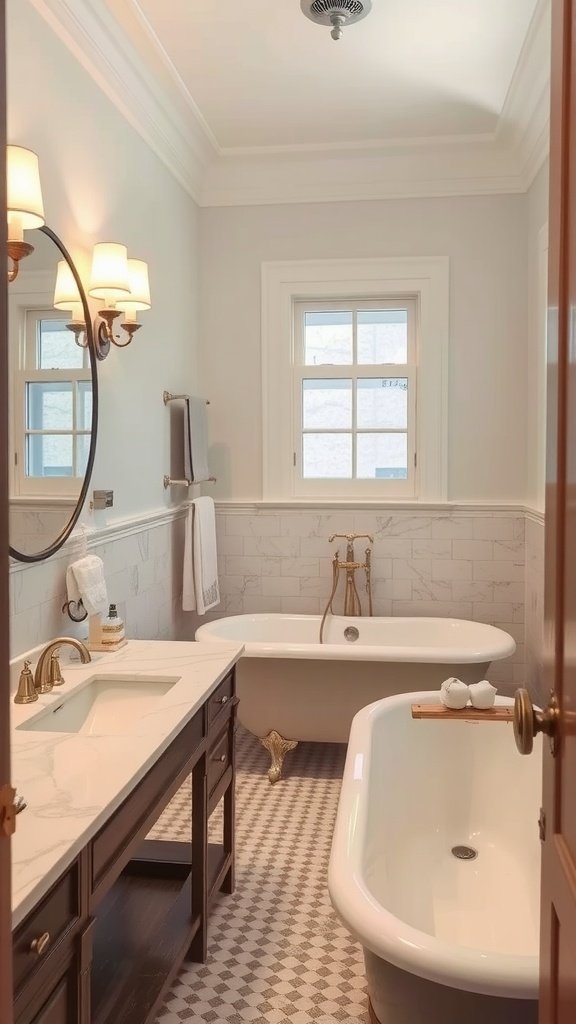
(53,407)
(354,422)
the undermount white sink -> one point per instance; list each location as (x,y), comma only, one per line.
(103,707)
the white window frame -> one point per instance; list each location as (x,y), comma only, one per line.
(28,302)
(425,280)
(341,487)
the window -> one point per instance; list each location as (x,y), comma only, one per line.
(354,372)
(52,407)
(355,379)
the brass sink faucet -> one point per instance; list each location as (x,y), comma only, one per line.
(48,674)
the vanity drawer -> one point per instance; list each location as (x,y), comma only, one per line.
(40,932)
(113,846)
(219,758)
(220,701)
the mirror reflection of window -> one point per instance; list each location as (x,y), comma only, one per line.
(54,401)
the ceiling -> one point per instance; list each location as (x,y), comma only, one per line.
(262,75)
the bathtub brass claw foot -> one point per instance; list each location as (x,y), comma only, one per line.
(277,747)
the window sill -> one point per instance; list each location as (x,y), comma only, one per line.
(42,501)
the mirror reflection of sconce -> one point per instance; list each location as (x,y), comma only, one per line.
(67,296)
(24,203)
(123,285)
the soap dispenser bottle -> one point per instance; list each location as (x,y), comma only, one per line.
(112,629)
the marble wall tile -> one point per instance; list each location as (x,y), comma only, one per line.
(412,569)
(253,526)
(473,550)
(432,549)
(492,611)
(473,590)
(453,527)
(282,586)
(429,563)
(442,563)
(504,572)
(283,547)
(451,569)
(504,591)
(495,528)
(431,590)
(143,574)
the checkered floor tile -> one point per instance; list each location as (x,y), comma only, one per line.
(277,952)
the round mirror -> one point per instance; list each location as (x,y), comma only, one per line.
(53,398)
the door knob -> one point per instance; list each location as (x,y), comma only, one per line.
(528,722)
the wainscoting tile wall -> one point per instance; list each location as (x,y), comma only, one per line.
(481,564)
(464,564)
(143,566)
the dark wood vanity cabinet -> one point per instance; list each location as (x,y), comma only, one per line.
(105,942)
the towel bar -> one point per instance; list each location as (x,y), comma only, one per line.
(170,482)
(168,397)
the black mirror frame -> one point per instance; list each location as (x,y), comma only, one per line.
(63,536)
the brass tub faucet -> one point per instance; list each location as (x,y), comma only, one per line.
(352,603)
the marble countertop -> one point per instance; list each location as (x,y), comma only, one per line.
(72,782)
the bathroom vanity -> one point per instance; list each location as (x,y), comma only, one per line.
(103,915)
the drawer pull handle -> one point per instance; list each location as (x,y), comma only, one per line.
(40,945)
(222,758)
(222,700)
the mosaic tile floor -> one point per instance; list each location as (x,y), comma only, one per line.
(276,951)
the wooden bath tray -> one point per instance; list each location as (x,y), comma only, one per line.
(438,712)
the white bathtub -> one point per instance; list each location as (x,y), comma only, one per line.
(293,688)
(444,939)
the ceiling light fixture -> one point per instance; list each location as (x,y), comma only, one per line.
(337,13)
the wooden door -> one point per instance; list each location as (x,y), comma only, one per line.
(558,916)
(5,903)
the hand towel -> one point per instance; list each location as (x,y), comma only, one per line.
(200,590)
(195,440)
(454,694)
(85,581)
(482,694)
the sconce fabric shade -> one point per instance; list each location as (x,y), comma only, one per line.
(109,279)
(23,190)
(139,297)
(66,294)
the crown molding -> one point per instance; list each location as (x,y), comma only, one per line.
(95,39)
(393,171)
(524,124)
(164,113)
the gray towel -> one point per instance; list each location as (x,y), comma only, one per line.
(195,441)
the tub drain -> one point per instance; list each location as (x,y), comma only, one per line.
(464,852)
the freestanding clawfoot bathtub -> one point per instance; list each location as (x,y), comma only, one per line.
(446,940)
(292,687)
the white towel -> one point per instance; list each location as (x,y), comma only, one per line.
(195,440)
(482,694)
(200,590)
(85,581)
(454,694)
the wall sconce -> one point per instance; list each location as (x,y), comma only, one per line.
(123,284)
(67,296)
(24,203)
(138,299)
